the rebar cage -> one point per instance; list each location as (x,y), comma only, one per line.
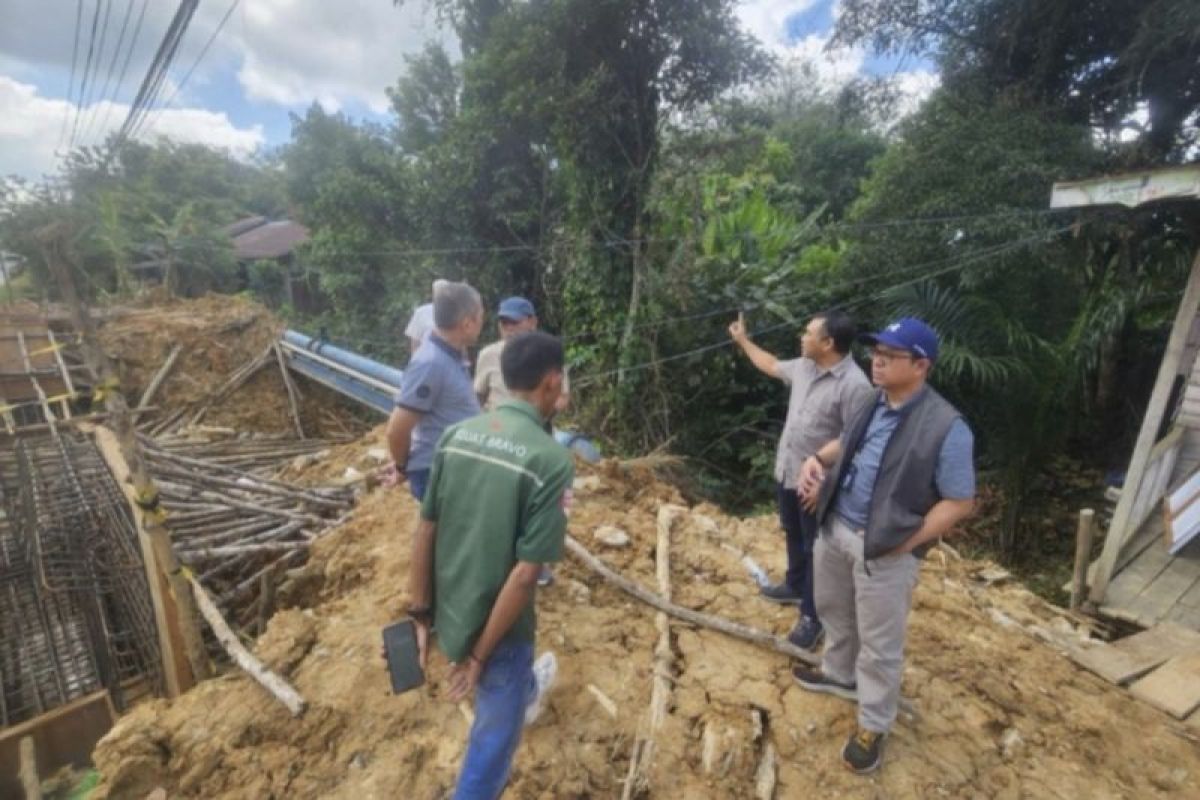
(75,614)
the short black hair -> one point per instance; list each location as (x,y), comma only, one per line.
(839,327)
(527,357)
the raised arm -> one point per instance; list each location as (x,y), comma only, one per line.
(766,362)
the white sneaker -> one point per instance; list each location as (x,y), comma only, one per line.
(545,670)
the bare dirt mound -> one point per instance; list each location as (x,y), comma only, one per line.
(1000,713)
(219,334)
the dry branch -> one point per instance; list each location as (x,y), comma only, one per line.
(779,644)
(279,688)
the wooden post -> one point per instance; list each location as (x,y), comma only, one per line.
(1118,534)
(1083,552)
(146,499)
(660,696)
(29,770)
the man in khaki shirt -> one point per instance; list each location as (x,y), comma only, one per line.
(516,315)
(826,388)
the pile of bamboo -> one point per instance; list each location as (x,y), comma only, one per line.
(235,528)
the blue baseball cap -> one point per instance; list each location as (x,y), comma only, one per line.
(907,333)
(516,308)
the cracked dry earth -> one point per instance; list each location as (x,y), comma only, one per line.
(1000,713)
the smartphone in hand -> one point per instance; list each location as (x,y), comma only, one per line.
(403,660)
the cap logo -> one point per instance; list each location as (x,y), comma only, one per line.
(895,326)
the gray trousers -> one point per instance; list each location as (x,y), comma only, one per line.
(865,618)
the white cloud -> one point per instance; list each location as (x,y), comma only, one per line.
(767,20)
(914,86)
(296,51)
(833,68)
(31,124)
(282,52)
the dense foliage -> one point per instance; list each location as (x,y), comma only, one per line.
(643,171)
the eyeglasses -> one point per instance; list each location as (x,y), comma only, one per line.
(888,356)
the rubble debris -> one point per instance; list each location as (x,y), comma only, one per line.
(971,678)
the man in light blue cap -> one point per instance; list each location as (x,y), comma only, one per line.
(899,478)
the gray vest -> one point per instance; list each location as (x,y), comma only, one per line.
(904,488)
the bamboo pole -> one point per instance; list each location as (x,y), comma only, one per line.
(779,644)
(28,768)
(1083,551)
(279,688)
(159,377)
(660,695)
(293,403)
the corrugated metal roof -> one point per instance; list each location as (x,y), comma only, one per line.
(270,240)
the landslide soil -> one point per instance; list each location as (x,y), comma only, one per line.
(999,712)
(219,334)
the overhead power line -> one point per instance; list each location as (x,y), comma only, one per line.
(877,294)
(187,75)
(62,134)
(84,80)
(157,72)
(112,71)
(137,29)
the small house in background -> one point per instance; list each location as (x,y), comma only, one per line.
(266,251)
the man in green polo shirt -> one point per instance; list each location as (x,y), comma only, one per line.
(493,514)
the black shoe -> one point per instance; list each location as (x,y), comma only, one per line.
(816,681)
(781,593)
(863,751)
(807,634)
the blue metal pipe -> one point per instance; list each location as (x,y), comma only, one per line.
(380,372)
(370,396)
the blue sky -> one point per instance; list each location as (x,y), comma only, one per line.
(275,57)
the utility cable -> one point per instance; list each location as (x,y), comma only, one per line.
(203,52)
(112,70)
(62,134)
(137,29)
(84,80)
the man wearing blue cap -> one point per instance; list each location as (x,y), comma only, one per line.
(515,315)
(899,478)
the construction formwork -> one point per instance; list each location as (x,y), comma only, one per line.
(75,615)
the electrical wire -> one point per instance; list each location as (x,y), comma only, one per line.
(62,134)
(966,261)
(84,80)
(112,70)
(203,52)
(137,29)
(89,105)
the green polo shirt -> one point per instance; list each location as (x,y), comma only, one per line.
(498,493)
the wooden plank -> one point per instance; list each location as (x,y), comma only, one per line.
(1121,528)
(63,736)
(1132,657)
(177,673)
(1174,687)
(1160,595)
(1137,576)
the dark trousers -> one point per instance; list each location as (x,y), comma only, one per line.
(800,530)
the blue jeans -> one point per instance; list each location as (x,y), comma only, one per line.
(505,687)
(418,482)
